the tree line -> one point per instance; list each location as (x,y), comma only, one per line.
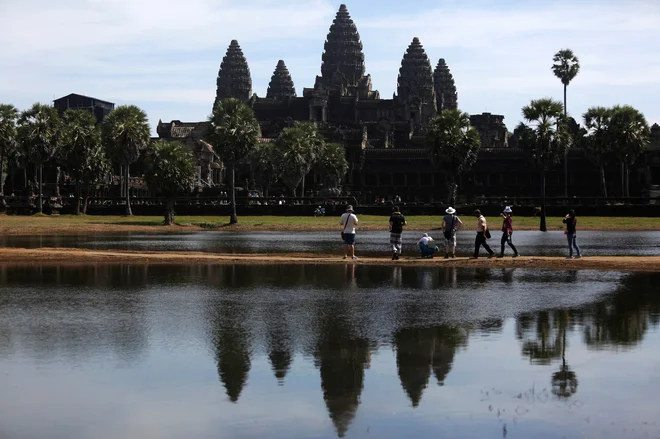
(617,134)
(88,151)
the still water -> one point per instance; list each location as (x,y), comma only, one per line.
(304,351)
(529,243)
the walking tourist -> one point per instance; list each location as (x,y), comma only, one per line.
(397,222)
(427,246)
(349,221)
(507,231)
(482,234)
(571,223)
(450,225)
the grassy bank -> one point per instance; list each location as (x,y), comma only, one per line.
(68,224)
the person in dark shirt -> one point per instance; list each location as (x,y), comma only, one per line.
(571,224)
(507,232)
(397,222)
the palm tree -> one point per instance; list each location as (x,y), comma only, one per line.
(8,117)
(265,165)
(453,145)
(566,67)
(331,164)
(300,146)
(597,142)
(545,139)
(125,133)
(233,131)
(630,135)
(39,130)
(84,154)
(171,169)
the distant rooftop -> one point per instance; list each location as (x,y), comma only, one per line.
(84,97)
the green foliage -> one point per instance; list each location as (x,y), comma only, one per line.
(81,147)
(125,133)
(597,141)
(566,66)
(331,163)
(265,163)
(545,138)
(300,146)
(452,142)
(39,131)
(629,133)
(171,168)
(8,134)
(233,130)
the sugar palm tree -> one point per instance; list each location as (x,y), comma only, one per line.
(171,170)
(565,67)
(597,142)
(8,117)
(234,132)
(544,139)
(630,135)
(39,131)
(84,154)
(453,145)
(125,134)
(300,146)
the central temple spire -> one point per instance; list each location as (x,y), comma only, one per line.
(343,59)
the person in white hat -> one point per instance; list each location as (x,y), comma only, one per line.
(507,232)
(450,224)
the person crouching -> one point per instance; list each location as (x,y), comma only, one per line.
(427,246)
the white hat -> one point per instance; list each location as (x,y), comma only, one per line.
(507,209)
(450,210)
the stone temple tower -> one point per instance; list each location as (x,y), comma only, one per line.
(281,84)
(343,59)
(234,79)
(445,89)
(415,84)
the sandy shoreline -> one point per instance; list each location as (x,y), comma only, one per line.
(70,256)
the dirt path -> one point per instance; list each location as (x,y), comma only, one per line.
(66,256)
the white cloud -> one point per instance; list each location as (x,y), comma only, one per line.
(164,55)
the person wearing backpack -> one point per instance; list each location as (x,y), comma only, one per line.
(450,224)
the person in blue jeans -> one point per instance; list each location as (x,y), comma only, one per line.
(571,224)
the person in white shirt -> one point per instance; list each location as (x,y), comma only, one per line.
(349,221)
(427,246)
(482,235)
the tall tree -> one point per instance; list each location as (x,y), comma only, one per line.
(171,170)
(83,152)
(597,143)
(454,146)
(565,67)
(545,139)
(331,164)
(265,165)
(39,131)
(8,143)
(125,133)
(300,147)
(234,132)
(630,135)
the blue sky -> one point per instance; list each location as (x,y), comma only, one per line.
(164,55)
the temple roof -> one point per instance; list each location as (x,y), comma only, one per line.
(281,85)
(342,51)
(416,74)
(234,79)
(445,88)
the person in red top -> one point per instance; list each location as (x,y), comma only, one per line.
(507,231)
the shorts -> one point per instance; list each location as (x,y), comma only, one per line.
(349,238)
(451,242)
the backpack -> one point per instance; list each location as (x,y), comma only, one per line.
(449,231)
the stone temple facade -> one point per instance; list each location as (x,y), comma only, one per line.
(384,138)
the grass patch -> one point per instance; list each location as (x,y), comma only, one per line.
(44,224)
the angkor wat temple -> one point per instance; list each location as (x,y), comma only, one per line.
(385,138)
